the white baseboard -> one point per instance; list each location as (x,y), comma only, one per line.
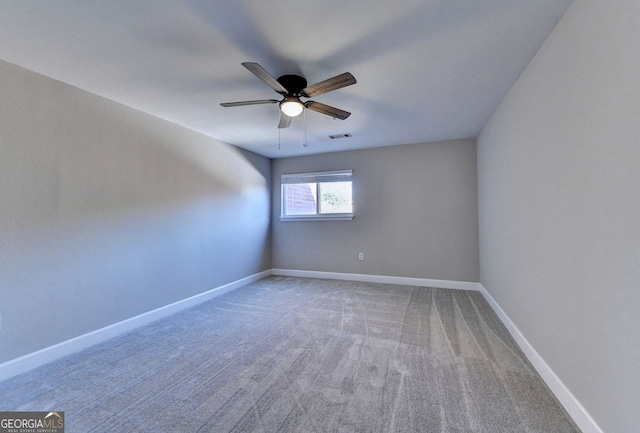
(570,403)
(36,359)
(366,278)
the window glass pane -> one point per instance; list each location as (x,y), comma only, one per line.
(300,199)
(335,197)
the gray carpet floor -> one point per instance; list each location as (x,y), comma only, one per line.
(303,355)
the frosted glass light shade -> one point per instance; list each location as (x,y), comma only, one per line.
(291,106)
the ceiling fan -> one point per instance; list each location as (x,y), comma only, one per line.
(293,87)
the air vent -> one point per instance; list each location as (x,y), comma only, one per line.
(334,136)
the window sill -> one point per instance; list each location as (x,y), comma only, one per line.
(317,218)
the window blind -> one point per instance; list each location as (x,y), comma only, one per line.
(320,177)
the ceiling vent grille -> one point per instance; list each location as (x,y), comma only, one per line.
(335,136)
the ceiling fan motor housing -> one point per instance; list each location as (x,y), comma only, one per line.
(293,83)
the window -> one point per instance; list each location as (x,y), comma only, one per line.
(317,196)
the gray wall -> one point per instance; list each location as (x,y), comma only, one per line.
(559,207)
(415,214)
(106,212)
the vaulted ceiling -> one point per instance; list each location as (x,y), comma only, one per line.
(427,70)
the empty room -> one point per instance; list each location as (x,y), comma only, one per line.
(337,216)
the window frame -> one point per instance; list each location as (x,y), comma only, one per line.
(313,178)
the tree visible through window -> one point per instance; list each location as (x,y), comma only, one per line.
(325,195)
(335,197)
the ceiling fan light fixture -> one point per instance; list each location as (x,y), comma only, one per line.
(291,106)
(292,87)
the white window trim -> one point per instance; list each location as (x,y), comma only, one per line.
(332,217)
(316,217)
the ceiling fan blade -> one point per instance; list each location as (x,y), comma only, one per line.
(262,73)
(285,121)
(337,82)
(256,102)
(327,109)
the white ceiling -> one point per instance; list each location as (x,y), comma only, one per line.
(427,70)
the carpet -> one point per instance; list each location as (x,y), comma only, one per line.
(303,355)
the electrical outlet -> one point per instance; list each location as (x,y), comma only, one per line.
(360,256)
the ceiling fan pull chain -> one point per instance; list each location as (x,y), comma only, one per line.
(304,139)
(279,130)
